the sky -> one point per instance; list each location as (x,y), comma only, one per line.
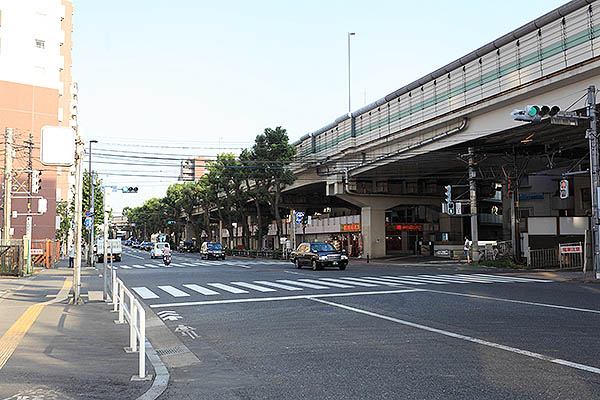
(195,77)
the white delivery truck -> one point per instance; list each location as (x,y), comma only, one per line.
(116,249)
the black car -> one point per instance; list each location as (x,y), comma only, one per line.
(186,247)
(318,255)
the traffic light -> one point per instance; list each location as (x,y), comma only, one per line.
(304,219)
(451,209)
(130,189)
(535,113)
(448,193)
(564,189)
(36,181)
(170,222)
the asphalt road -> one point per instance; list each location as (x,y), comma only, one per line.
(265,330)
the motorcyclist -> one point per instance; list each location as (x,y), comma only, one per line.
(167,255)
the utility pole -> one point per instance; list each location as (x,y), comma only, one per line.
(29,223)
(77,217)
(105,245)
(8,150)
(592,136)
(473,198)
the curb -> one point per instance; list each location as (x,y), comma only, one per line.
(161,379)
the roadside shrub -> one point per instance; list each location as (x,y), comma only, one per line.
(504,262)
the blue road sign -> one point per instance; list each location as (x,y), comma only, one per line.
(299,215)
(88,222)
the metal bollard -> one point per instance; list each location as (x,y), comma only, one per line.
(121,303)
(132,322)
(142,355)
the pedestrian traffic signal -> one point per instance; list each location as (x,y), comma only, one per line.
(564,189)
(448,193)
(36,181)
(535,113)
(130,189)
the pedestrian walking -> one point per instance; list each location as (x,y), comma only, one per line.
(71,256)
(466,248)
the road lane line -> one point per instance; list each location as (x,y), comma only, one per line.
(471,339)
(253,287)
(299,297)
(173,291)
(531,303)
(227,288)
(200,289)
(145,293)
(332,284)
(302,284)
(278,285)
(349,282)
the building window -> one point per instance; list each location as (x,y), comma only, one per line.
(40,44)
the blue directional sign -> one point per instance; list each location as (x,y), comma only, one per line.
(299,215)
(88,222)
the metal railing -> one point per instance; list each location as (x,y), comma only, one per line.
(543,258)
(132,311)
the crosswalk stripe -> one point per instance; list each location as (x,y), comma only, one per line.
(145,293)
(467,278)
(320,282)
(442,279)
(349,282)
(138,266)
(487,279)
(253,287)
(125,266)
(518,279)
(173,291)
(177,265)
(373,281)
(407,282)
(307,285)
(151,265)
(278,285)
(200,289)
(227,288)
(188,264)
(423,280)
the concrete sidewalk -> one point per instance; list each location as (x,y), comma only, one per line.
(50,349)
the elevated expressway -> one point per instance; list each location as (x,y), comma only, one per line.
(403,148)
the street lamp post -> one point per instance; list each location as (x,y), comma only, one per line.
(349,104)
(92,228)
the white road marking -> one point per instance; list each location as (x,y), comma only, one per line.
(227,288)
(302,284)
(372,281)
(349,282)
(278,285)
(133,255)
(151,265)
(188,264)
(261,299)
(531,303)
(403,281)
(321,282)
(173,291)
(145,293)
(466,338)
(514,278)
(436,278)
(124,266)
(424,280)
(177,265)
(467,278)
(138,266)
(200,289)
(254,287)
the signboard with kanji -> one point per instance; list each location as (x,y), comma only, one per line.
(572,248)
(350,227)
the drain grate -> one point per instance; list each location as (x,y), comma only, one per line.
(171,350)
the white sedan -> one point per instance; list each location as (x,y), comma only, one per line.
(157,250)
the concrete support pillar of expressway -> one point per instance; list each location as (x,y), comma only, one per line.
(373,231)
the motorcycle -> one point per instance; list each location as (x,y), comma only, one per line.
(167,259)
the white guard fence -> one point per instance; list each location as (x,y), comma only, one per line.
(130,310)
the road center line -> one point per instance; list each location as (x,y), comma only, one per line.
(531,303)
(466,338)
(259,299)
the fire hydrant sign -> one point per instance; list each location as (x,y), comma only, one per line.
(568,249)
